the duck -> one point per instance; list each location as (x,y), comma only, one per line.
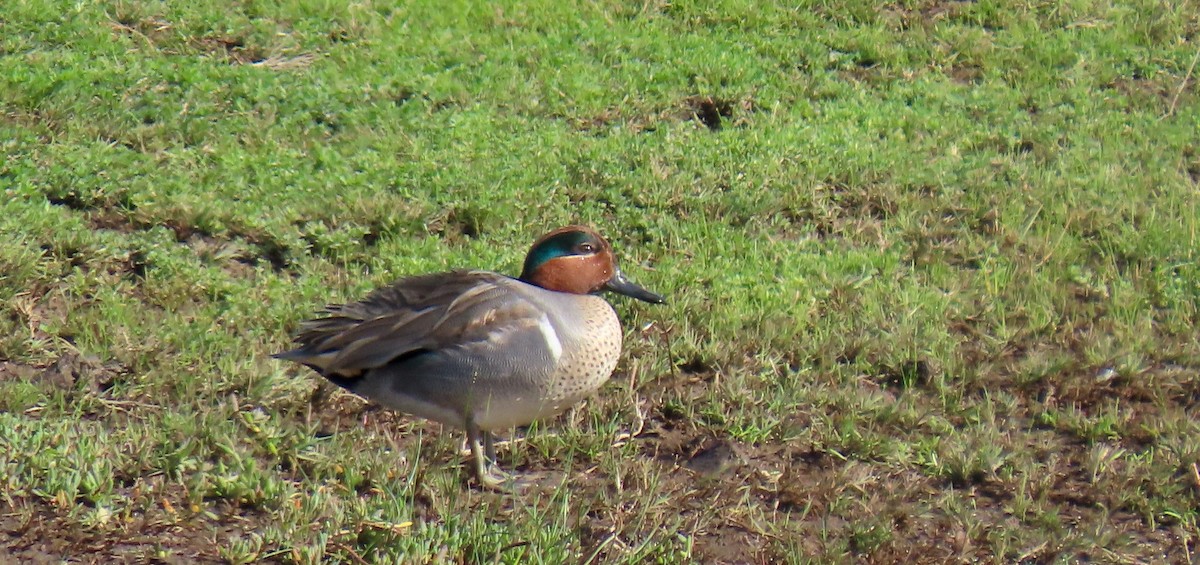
(478,350)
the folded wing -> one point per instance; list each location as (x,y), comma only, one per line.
(416,315)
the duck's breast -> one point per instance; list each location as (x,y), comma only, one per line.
(590,334)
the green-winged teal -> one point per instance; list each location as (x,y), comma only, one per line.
(479,350)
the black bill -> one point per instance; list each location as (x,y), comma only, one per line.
(621,285)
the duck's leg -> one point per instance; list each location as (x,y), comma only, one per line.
(483,452)
(489,447)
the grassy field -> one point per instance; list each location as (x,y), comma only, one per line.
(932,270)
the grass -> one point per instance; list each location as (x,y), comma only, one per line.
(931,265)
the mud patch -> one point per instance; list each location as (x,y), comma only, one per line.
(235,258)
(710,111)
(714,113)
(247,247)
(844,208)
(460,223)
(159,34)
(1147,89)
(716,458)
(39,310)
(73,371)
(148,29)
(71,200)
(968,74)
(10,371)
(113,220)
(160,528)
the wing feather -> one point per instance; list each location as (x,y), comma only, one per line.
(460,309)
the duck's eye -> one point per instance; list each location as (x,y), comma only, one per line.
(585,248)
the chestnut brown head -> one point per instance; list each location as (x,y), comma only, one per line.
(577,260)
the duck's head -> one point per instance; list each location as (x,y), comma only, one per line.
(576,259)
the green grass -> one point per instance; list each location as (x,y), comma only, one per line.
(932,270)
